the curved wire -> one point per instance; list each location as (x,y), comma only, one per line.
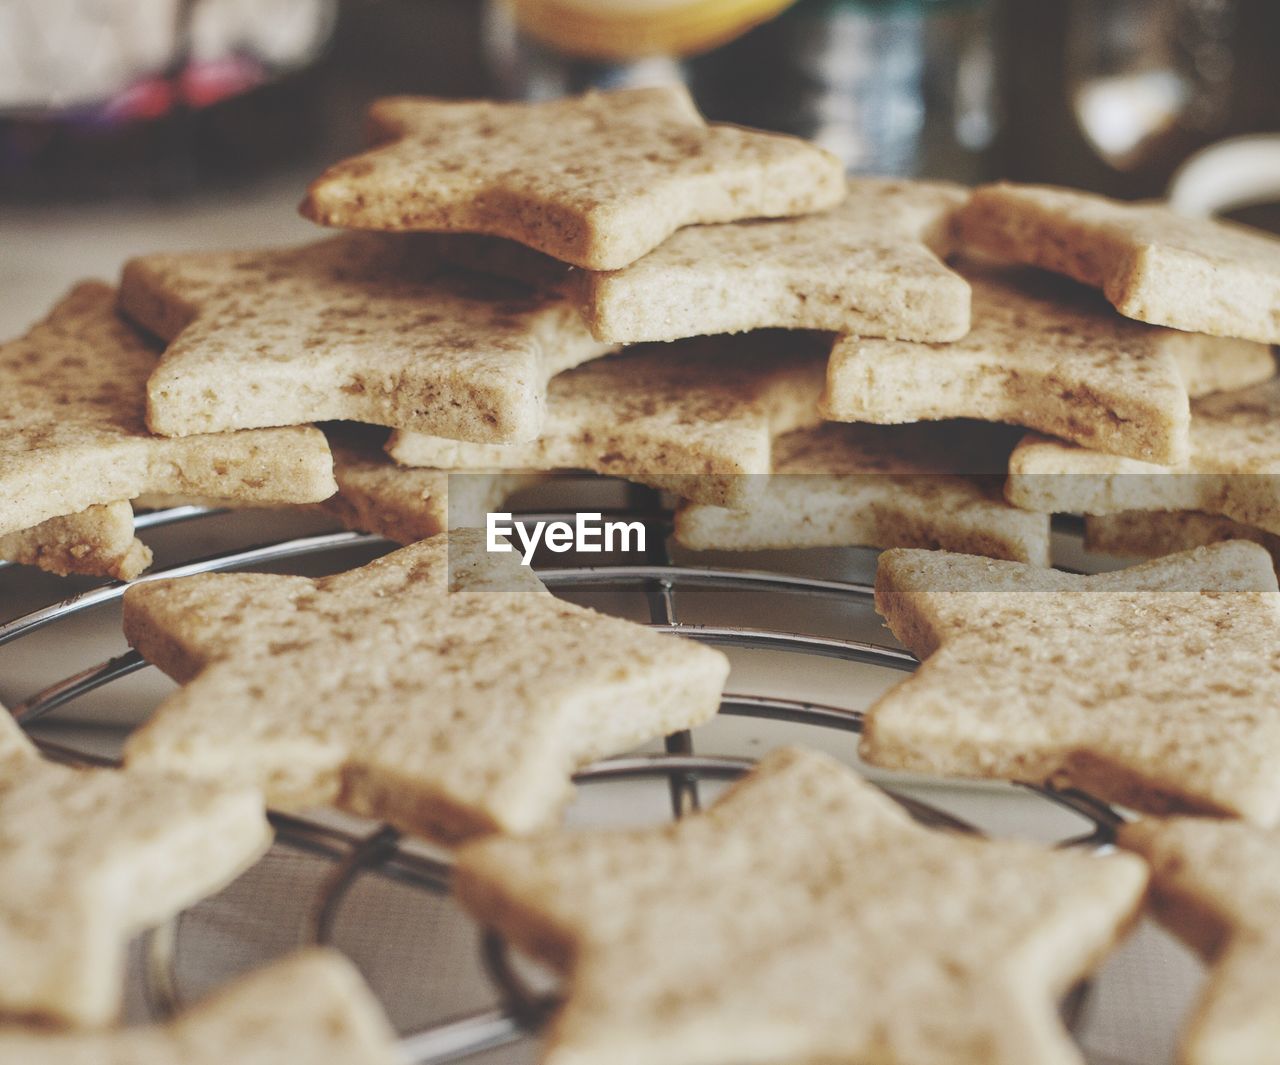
(797,642)
(367,854)
(155,519)
(704,576)
(384,850)
(78,684)
(70,688)
(526,1007)
(108,593)
(792,711)
(460,1037)
(1104,818)
(159,969)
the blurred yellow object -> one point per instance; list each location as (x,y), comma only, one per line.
(630,29)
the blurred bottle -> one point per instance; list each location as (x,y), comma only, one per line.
(1115,94)
(1141,72)
(891,86)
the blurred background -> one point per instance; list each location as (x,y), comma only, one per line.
(134,126)
(128,125)
(162,97)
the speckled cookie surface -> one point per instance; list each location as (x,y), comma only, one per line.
(693,417)
(310,1007)
(98,541)
(407,503)
(1156,687)
(375,495)
(870,266)
(1233,469)
(815,922)
(89,858)
(72,433)
(936,485)
(1151,533)
(1197,274)
(1217,884)
(1046,354)
(440,688)
(595,180)
(360,327)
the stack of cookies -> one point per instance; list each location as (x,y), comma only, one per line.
(688,306)
(608,283)
(1011,332)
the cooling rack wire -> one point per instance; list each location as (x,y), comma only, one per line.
(381,851)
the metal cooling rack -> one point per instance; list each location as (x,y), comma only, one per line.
(383,851)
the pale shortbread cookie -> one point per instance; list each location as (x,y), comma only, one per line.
(1217,885)
(1233,470)
(72,433)
(98,541)
(813,921)
(406,503)
(870,266)
(310,1008)
(1050,355)
(936,485)
(1152,533)
(359,327)
(440,688)
(595,180)
(402,503)
(1157,687)
(693,417)
(89,858)
(1198,274)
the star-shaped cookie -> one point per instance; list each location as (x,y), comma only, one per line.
(1156,687)
(375,495)
(595,180)
(693,417)
(1198,274)
(72,434)
(870,266)
(1046,354)
(440,688)
(310,1007)
(402,503)
(1217,885)
(90,857)
(804,917)
(360,327)
(1233,469)
(933,485)
(1151,533)
(98,541)
(406,503)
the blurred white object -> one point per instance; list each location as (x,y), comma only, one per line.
(1142,71)
(279,32)
(1233,173)
(60,54)
(1119,113)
